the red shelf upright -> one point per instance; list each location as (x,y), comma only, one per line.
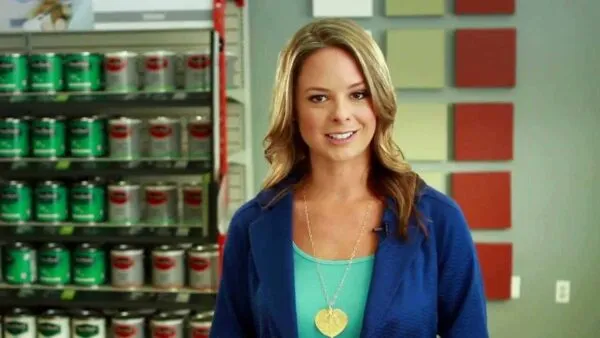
(219,26)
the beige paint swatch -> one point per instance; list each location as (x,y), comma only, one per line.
(421,131)
(342,8)
(415,7)
(436,180)
(416,58)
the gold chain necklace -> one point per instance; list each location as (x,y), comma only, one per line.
(331,321)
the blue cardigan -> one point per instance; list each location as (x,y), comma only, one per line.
(422,287)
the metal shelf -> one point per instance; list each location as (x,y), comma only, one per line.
(66,168)
(103,234)
(92,299)
(105,288)
(79,105)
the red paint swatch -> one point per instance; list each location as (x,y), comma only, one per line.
(483,131)
(496,260)
(484,198)
(484,7)
(485,57)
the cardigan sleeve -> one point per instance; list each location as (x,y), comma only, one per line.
(233,315)
(461,298)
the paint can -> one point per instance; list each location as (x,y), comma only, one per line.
(128,324)
(121,72)
(87,137)
(88,324)
(14,137)
(125,138)
(89,265)
(20,263)
(193,207)
(124,203)
(13,73)
(53,323)
(15,201)
(49,137)
(200,325)
(165,138)
(88,200)
(199,132)
(197,67)
(168,267)
(19,323)
(83,72)
(202,265)
(161,203)
(167,324)
(46,72)
(159,71)
(127,266)
(54,264)
(51,201)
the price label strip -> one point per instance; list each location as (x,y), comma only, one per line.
(182,298)
(67,294)
(66,230)
(61,98)
(63,164)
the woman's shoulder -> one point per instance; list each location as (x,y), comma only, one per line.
(442,214)
(252,209)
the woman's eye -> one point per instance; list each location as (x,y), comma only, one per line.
(359,95)
(318,98)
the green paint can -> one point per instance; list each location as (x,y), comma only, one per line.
(13,73)
(83,72)
(89,265)
(53,323)
(20,263)
(54,264)
(19,323)
(14,137)
(88,201)
(49,137)
(51,202)
(46,72)
(88,324)
(87,137)
(15,202)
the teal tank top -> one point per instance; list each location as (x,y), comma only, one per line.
(309,296)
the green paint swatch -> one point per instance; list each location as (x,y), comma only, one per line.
(421,131)
(416,58)
(415,7)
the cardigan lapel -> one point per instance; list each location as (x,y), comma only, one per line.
(271,243)
(393,260)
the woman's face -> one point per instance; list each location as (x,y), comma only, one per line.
(334,108)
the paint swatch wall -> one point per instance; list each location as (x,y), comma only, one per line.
(442,140)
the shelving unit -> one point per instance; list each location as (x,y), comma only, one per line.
(146,235)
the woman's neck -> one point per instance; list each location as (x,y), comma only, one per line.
(338,181)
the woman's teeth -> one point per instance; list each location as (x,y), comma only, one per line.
(341,136)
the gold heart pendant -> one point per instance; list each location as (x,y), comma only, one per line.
(331,322)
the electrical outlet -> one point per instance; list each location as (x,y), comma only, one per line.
(563,291)
(515,287)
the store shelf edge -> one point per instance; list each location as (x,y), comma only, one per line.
(105,300)
(127,235)
(66,169)
(79,105)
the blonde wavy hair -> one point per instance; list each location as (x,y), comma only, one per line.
(287,153)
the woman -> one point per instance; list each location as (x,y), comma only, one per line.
(344,240)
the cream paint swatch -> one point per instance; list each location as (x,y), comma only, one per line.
(437,180)
(415,7)
(416,58)
(421,131)
(342,8)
